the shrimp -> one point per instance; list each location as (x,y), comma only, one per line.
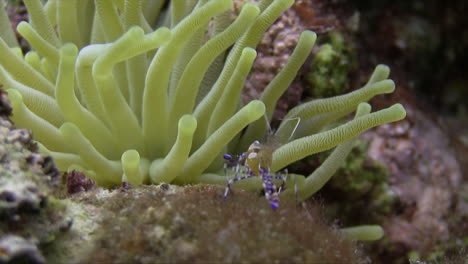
(256,161)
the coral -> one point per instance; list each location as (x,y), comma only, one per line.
(108,95)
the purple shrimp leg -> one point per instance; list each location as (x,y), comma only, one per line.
(270,189)
(233,180)
(283,181)
(282,187)
(231,161)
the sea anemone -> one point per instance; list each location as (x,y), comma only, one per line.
(106,94)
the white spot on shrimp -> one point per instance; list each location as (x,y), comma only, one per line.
(252,155)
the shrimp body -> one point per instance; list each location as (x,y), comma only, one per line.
(256,162)
(257,157)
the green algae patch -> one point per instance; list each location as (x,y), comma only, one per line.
(330,68)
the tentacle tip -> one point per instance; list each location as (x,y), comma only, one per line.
(399,110)
(364,108)
(252,8)
(136,32)
(382,70)
(163,33)
(188,123)
(250,53)
(379,232)
(382,67)
(391,85)
(310,35)
(69,49)
(256,109)
(22,25)
(130,156)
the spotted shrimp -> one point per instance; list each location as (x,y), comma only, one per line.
(256,162)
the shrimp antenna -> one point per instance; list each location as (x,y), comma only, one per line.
(270,130)
(298,119)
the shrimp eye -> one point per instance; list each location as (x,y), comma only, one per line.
(255,146)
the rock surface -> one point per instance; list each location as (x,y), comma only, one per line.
(30,216)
